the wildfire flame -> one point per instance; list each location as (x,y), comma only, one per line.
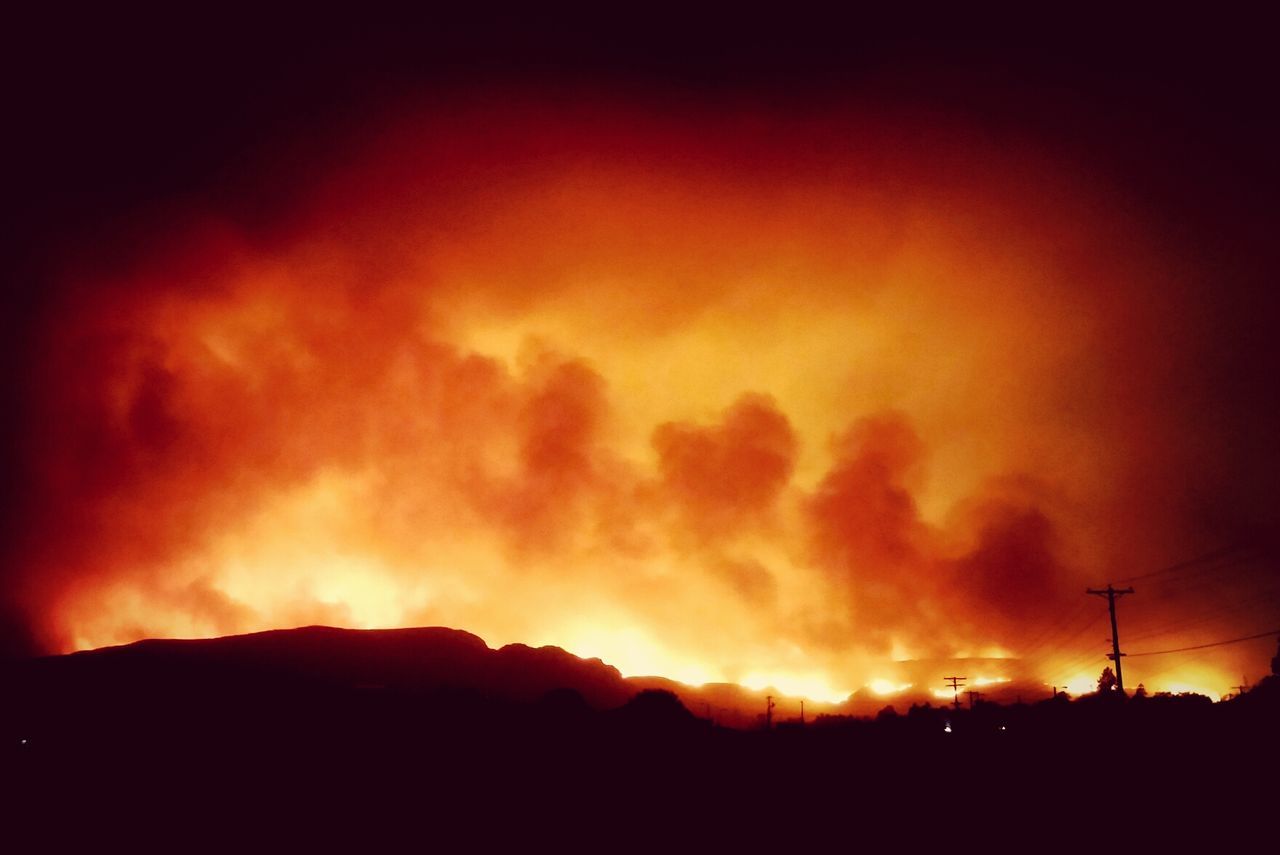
(770,409)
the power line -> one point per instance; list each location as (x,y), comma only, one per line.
(1065,661)
(1051,642)
(1055,632)
(1078,662)
(1212,555)
(1065,650)
(1064,634)
(1235,578)
(1210,644)
(1215,615)
(1214,569)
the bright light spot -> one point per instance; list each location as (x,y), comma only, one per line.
(946,728)
(1082,684)
(362,587)
(989,681)
(633,653)
(811,686)
(886,687)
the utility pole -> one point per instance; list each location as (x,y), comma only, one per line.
(768,712)
(802,713)
(1244,688)
(956,683)
(1111,593)
(973,696)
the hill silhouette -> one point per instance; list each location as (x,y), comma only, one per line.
(434,720)
(418,659)
(413,660)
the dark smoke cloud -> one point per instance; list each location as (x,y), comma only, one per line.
(730,475)
(1080,290)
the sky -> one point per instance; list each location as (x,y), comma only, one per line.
(812,353)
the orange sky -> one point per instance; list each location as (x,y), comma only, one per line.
(707,396)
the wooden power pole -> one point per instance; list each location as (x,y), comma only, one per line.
(1111,593)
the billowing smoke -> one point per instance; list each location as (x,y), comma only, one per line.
(708,399)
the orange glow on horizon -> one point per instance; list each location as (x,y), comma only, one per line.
(887,687)
(764,412)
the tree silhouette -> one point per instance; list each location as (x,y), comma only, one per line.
(1106,682)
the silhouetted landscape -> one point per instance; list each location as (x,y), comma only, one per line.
(875,407)
(291,719)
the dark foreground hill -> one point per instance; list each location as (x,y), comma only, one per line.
(317,727)
(326,658)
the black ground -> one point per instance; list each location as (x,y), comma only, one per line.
(311,732)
